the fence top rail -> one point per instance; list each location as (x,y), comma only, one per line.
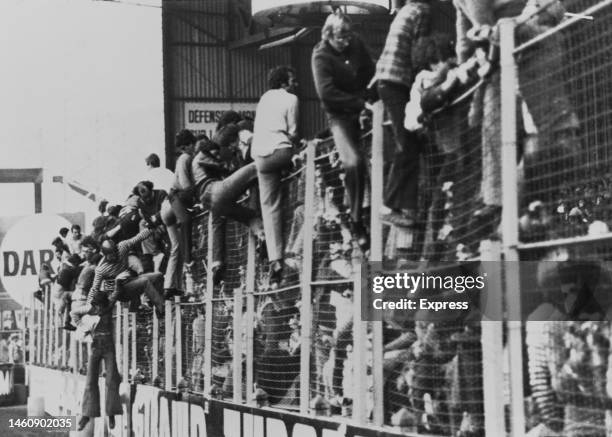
(562,25)
(565,241)
(277,290)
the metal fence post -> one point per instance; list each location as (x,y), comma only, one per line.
(209,311)
(118,334)
(32,329)
(376,254)
(491,338)
(237,347)
(510,218)
(168,334)
(306,307)
(133,332)
(125,343)
(250,318)
(178,341)
(45,326)
(155,348)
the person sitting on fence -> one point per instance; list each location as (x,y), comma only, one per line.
(149,207)
(342,69)
(114,264)
(177,218)
(273,140)
(220,183)
(439,82)
(395,74)
(64,285)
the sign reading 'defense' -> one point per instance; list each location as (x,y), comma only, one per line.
(203,117)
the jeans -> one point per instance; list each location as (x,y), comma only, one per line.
(345,131)
(102,349)
(402,185)
(269,170)
(220,197)
(148,283)
(174,269)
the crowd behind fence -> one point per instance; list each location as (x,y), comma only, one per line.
(302,345)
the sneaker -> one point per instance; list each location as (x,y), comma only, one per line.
(396,218)
(69,327)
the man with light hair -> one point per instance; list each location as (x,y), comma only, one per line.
(342,69)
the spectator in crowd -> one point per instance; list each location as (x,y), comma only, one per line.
(162,178)
(274,136)
(64,284)
(15,349)
(245,135)
(342,69)
(174,214)
(74,241)
(149,207)
(63,233)
(62,252)
(4,351)
(220,182)
(228,117)
(99,223)
(130,286)
(102,349)
(91,254)
(395,73)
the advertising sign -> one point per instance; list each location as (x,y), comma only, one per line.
(202,118)
(25,244)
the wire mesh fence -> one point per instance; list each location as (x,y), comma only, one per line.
(434,374)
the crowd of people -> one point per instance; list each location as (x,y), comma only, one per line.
(145,247)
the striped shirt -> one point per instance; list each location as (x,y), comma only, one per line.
(109,270)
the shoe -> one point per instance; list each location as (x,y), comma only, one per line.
(396,218)
(82,423)
(111,422)
(276,271)
(38,294)
(360,235)
(169,293)
(218,272)
(68,327)
(188,266)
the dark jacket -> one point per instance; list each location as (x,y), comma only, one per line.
(341,78)
(206,168)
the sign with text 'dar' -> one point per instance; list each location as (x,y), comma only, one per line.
(25,244)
